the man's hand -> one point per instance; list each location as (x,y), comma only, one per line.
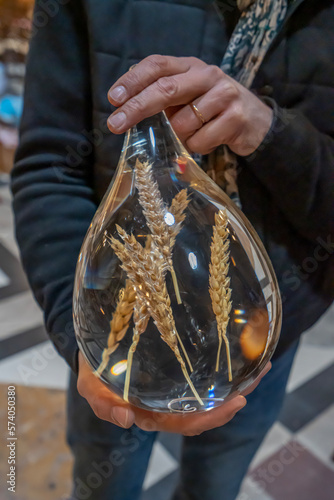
(108,406)
(232,114)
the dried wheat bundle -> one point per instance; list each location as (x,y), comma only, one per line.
(155,213)
(219,283)
(146,269)
(119,323)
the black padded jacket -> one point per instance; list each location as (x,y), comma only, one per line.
(66,156)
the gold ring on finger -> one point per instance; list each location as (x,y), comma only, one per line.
(197,112)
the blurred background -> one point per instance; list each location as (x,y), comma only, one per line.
(15,25)
(296,460)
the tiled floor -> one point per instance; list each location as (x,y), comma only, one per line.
(44,462)
(294,462)
(294,472)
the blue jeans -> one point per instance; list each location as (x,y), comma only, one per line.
(110,462)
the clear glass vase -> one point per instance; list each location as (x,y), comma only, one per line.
(176,304)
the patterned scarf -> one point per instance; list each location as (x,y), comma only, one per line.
(257,27)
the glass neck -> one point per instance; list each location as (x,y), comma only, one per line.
(153,140)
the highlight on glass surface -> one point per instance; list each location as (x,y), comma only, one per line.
(176,306)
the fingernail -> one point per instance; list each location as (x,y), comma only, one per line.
(122,416)
(118,94)
(117,120)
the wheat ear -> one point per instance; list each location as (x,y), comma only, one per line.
(146,269)
(219,284)
(121,318)
(141,317)
(163,235)
(119,324)
(155,211)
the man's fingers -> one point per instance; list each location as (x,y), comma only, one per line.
(211,103)
(144,74)
(173,90)
(157,83)
(108,406)
(123,416)
(216,417)
(104,409)
(105,404)
(190,424)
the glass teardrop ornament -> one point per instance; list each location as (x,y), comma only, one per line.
(176,305)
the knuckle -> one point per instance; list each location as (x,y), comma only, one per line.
(135,105)
(213,72)
(167,86)
(195,61)
(230,91)
(157,63)
(131,80)
(237,114)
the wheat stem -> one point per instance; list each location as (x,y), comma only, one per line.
(131,352)
(104,362)
(184,350)
(176,286)
(220,340)
(228,355)
(191,385)
(141,318)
